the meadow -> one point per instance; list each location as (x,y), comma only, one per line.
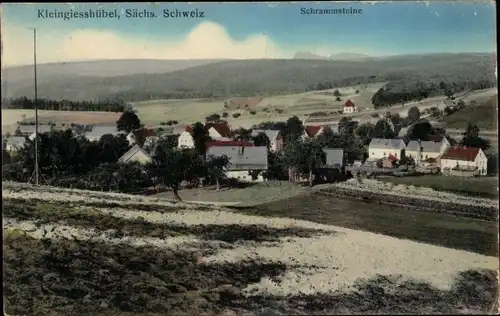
(276,108)
(81,252)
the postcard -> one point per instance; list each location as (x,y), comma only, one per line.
(301,158)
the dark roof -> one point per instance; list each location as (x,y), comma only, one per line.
(233,143)
(349,104)
(222,128)
(382,143)
(271,134)
(312,130)
(188,129)
(145,132)
(461,153)
(242,158)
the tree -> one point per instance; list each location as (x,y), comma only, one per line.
(336,93)
(414,114)
(112,148)
(383,129)
(304,158)
(471,138)
(242,134)
(347,126)
(236,115)
(200,137)
(224,114)
(212,118)
(216,167)
(262,140)
(128,122)
(365,132)
(169,168)
(294,128)
(434,112)
(338,99)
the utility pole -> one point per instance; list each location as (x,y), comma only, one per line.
(36,172)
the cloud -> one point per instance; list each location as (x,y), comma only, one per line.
(207,40)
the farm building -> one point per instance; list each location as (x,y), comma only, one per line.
(228,143)
(349,107)
(15,143)
(98,131)
(186,139)
(464,161)
(148,134)
(243,161)
(389,161)
(135,154)
(422,150)
(380,148)
(275,138)
(218,130)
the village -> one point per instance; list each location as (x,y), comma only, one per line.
(248,150)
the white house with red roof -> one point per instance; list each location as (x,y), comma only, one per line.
(461,160)
(349,107)
(186,138)
(312,131)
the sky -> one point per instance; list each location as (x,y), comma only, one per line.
(246,30)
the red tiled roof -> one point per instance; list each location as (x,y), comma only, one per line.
(224,143)
(349,104)
(312,130)
(188,129)
(251,102)
(145,132)
(461,153)
(222,128)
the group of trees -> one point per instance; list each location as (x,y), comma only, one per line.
(25,103)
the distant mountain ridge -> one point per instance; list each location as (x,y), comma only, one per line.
(339,56)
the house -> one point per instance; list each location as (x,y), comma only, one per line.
(186,138)
(148,134)
(422,150)
(334,157)
(312,131)
(135,154)
(349,107)
(98,131)
(464,161)
(275,138)
(380,148)
(228,143)
(15,143)
(218,130)
(243,160)
(389,161)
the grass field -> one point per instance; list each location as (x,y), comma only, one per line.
(484,115)
(71,252)
(485,186)
(437,229)
(10,118)
(277,108)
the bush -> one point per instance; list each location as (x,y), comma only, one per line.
(225,114)
(236,115)
(253,112)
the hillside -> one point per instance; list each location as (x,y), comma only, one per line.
(261,77)
(484,115)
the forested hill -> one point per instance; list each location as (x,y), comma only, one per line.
(265,77)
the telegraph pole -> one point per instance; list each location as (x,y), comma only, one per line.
(36,173)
